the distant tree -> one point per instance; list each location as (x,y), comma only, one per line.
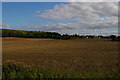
(65,37)
(113,37)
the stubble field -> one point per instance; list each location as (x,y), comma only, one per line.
(77,55)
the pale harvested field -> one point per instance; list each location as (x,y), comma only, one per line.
(75,55)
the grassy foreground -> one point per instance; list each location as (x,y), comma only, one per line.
(14,69)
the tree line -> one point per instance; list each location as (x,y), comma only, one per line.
(53,35)
(29,34)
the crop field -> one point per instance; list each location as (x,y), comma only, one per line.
(77,55)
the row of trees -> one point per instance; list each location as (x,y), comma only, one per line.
(53,35)
(29,34)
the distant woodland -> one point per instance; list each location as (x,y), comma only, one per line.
(53,35)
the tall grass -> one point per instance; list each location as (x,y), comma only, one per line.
(20,70)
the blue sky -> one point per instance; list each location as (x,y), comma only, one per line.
(60,0)
(23,14)
(0,13)
(71,18)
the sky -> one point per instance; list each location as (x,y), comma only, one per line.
(84,18)
(60,0)
(0,14)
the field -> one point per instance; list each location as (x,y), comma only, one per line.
(78,55)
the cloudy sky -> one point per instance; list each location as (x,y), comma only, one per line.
(94,18)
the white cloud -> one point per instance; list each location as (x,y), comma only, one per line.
(85,15)
(99,32)
(4,25)
(93,0)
